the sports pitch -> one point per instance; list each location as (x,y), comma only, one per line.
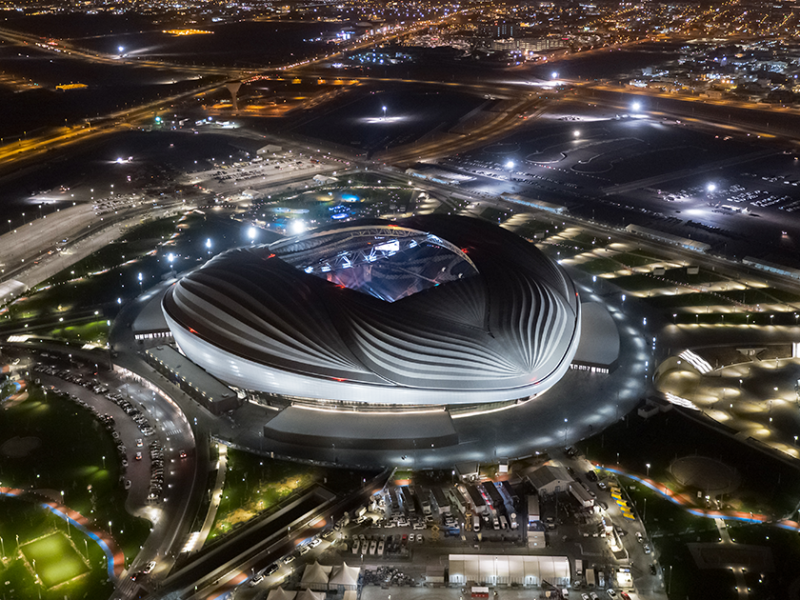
(56,560)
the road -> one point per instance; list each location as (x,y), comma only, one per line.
(172,432)
(15,154)
(37,251)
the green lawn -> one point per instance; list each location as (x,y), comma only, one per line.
(685,300)
(633,259)
(254,484)
(670,528)
(76,570)
(559,251)
(531,227)
(599,266)
(93,331)
(96,282)
(70,458)
(590,241)
(761,296)
(768,485)
(56,560)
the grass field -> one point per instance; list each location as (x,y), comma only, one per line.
(70,458)
(56,560)
(769,486)
(97,281)
(77,570)
(254,484)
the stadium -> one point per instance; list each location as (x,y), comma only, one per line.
(427,310)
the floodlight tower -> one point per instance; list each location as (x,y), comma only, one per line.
(233,88)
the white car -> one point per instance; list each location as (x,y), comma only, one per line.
(148,568)
(256,580)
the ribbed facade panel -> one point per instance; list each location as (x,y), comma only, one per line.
(257,322)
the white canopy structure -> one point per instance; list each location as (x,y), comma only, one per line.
(345,577)
(498,570)
(309,595)
(315,577)
(280,594)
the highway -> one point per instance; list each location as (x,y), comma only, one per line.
(14,154)
(183,425)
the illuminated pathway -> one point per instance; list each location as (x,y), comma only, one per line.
(738,572)
(686,501)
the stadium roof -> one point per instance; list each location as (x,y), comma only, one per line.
(425,310)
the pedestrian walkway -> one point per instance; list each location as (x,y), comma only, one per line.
(216,497)
(687,502)
(738,571)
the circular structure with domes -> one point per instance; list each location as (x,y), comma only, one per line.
(428,310)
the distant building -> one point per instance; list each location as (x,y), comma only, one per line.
(499,29)
(528,45)
(550,479)
(322,179)
(269,149)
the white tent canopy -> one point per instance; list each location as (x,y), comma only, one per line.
(493,570)
(280,594)
(345,576)
(315,577)
(309,595)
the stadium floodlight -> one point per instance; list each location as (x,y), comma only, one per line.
(554,75)
(510,164)
(636,106)
(711,187)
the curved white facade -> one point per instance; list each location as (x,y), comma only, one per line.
(448,310)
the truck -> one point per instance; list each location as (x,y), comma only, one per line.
(408,501)
(494,495)
(476,523)
(476,500)
(578,567)
(458,500)
(442,504)
(533,509)
(394,502)
(590,577)
(424,499)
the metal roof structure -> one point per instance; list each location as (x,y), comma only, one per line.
(425,310)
